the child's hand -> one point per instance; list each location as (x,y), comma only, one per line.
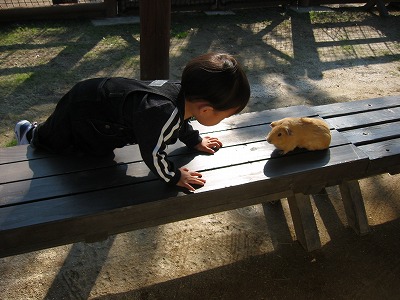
(188,178)
(209,145)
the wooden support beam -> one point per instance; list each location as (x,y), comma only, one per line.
(155,24)
(354,206)
(380,5)
(304,221)
(111,8)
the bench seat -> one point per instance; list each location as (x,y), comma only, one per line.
(49,200)
(373,126)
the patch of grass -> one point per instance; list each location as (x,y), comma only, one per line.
(9,83)
(320,17)
(180,35)
(12,143)
(180,30)
(348,48)
(18,34)
(40,61)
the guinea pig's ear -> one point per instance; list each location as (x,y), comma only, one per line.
(273,124)
(288,131)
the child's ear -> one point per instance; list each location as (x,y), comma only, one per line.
(204,108)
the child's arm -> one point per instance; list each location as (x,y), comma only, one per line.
(152,147)
(188,135)
(192,139)
(153,129)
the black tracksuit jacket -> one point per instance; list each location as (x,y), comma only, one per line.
(98,115)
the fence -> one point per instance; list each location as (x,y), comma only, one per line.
(18,10)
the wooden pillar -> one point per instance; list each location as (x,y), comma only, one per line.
(354,206)
(155,24)
(304,3)
(111,8)
(304,221)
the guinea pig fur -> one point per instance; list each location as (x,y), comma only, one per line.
(308,133)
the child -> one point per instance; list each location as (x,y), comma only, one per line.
(98,115)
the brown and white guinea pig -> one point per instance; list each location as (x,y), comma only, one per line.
(308,133)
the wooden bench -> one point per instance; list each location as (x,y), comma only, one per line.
(48,200)
(373,126)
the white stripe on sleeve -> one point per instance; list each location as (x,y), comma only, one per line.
(162,168)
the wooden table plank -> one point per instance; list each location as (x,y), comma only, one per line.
(55,165)
(364,119)
(374,126)
(107,222)
(19,153)
(374,133)
(346,108)
(52,222)
(384,157)
(57,185)
(50,166)
(303,169)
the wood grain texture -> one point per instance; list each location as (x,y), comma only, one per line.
(48,200)
(304,221)
(354,206)
(349,108)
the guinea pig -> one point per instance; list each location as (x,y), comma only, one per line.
(308,133)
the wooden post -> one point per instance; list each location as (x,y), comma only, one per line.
(155,24)
(354,206)
(304,221)
(380,4)
(111,8)
(304,3)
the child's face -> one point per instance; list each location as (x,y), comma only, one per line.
(211,116)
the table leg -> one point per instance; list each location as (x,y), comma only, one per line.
(304,221)
(379,4)
(354,206)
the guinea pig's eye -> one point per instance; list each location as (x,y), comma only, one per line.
(279,134)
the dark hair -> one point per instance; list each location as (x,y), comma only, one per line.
(217,78)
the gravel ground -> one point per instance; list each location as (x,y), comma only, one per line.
(252,253)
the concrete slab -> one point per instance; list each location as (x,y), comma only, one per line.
(302,9)
(116,21)
(219,12)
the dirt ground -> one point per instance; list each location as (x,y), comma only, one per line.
(252,252)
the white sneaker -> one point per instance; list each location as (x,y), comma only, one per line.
(21,129)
